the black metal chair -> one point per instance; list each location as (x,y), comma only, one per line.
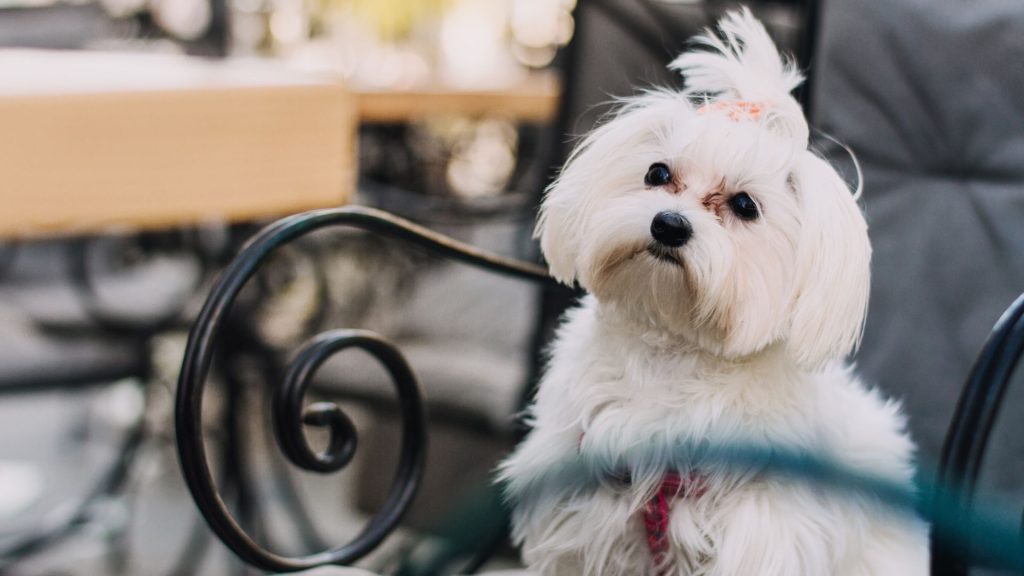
(289,413)
(968,436)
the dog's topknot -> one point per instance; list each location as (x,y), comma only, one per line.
(741,62)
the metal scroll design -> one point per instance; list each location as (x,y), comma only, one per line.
(971,427)
(289,414)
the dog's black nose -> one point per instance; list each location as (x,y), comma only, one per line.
(671,229)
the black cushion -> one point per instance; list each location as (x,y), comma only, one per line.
(930,95)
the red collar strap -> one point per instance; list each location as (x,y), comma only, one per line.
(656,511)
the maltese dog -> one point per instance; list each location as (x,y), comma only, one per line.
(727,271)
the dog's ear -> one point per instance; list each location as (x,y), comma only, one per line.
(833,266)
(611,158)
(741,62)
(561,222)
(558,229)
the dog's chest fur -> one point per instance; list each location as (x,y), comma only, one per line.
(640,394)
(634,387)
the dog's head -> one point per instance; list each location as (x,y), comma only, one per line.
(703,213)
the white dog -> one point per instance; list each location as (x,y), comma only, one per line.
(728,270)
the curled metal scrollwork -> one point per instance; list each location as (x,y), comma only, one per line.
(289,415)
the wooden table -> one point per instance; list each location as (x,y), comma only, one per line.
(100,141)
(533,100)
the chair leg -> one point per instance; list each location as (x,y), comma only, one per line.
(57,529)
(236,474)
(233,477)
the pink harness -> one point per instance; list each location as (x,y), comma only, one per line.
(656,511)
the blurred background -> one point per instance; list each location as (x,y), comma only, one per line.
(143,141)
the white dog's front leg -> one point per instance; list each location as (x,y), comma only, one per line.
(771,529)
(892,544)
(774,528)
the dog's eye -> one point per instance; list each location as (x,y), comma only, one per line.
(658,175)
(743,206)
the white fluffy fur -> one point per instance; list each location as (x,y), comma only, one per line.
(740,341)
